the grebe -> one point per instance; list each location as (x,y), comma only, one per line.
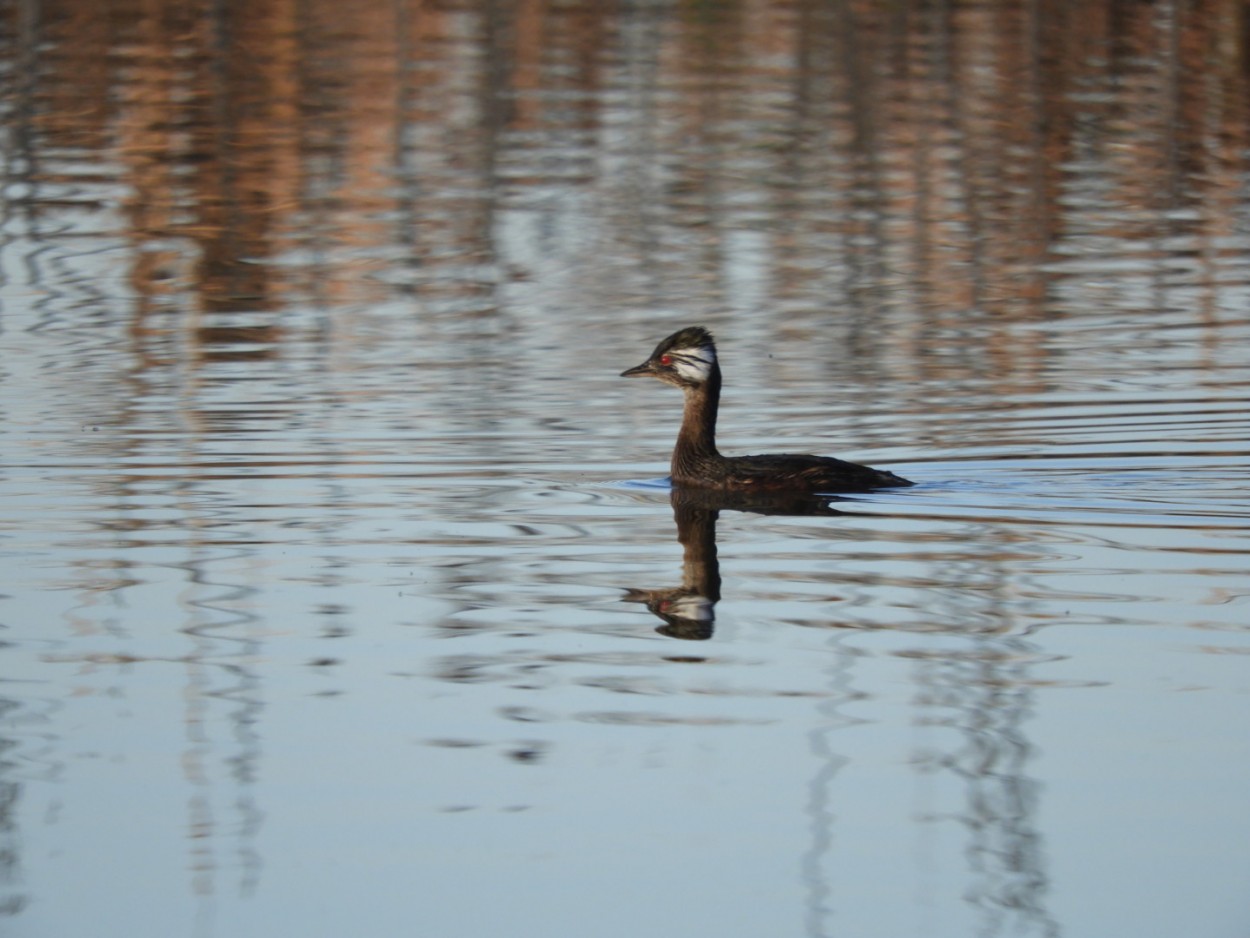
(687,359)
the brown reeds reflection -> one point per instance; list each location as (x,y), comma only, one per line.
(689,610)
(850,162)
(922,192)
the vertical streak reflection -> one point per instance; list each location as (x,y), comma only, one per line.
(217,670)
(984,695)
(819,809)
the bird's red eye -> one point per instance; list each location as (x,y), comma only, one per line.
(666,359)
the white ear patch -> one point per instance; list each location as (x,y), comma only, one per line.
(694,364)
(698,608)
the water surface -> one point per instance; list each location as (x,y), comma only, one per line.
(342,590)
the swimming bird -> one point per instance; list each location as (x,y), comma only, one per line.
(687,360)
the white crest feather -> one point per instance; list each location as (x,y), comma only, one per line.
(694,364)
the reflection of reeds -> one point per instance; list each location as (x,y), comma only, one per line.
(986,697)
(911,179)
(973,706)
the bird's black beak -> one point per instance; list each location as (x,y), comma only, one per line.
(646,368)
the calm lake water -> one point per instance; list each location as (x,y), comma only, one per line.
(343,592)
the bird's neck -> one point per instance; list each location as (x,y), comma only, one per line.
(696,442)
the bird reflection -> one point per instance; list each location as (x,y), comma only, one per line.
(689,610)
